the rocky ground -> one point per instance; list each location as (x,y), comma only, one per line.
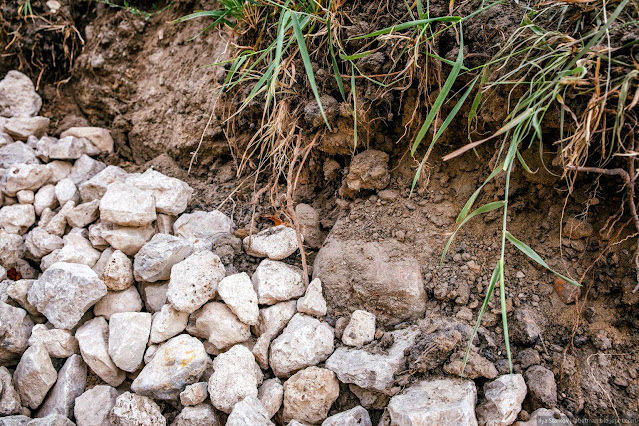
(118,307)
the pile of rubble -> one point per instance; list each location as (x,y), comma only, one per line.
(116,307)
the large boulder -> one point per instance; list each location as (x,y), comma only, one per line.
(378,277)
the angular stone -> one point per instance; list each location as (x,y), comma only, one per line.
(357,416)
(15,329)
(176,364)
(309,222)
(99,137)
(76,249)
(72,378)
(51,420)
(235,377)
(85,168)
(167,323)
(118,301)
(445,402)
(18,291)
(128,240)
(276,243)
(17,218)
(93,407)
(194,281)
(58,343)
(544,415)
(542,388)
(476,366)
(128,336)
(84,214)
(25,196)
(249,411)
(194,394)
(271,395)
(370,399)
(526,326)
(276,281)
(34,376)
(373,371)
(45,198)
(239,295)
(95,188)
(40,243)
(118,272)
(25,177)
(58,223)
(133,410)
(9,398)
(309,394)
(381,278)
(18,97)
(215,322)
(202,228)
(66,148)
(304,342)
(156,258)
(368,170)
(360,329)
(199,415)
(503,399)
(272,321)
(59,171)
(127,205)
(93,336)
(154,295)
(20,128)
(17,153)
(312,303)
(65,191)
(11,248)
(171,195)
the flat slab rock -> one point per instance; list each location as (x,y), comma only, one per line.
(380,278)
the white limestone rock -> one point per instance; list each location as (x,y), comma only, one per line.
(198,415)
(58,223)
(18,97)
(127,239)
(59,171)
(202,228)
(20,128)
(34,376)
(309,394)
(272,321)
(118,301)
(128,336)
(304,342)
(194,394)
(66,148)
(65,191)
(249,411)
(445,402)
(216,323)
(239,295)
(276,281)
(167,323)
(360,329)
(18,291)
(356,416)
(93,338)
(15,328)
(99,137)
(176,364)
(45,198)
(156,258)
(127,205)
(9,398)
(194,281)
(25,177)
(313,302)
(271,395)
(25,196)
(58,343)
(276,243)
(17,153)
(171,195)
(11,248)
(93,407)
(72,378)
(76,249)
(118,272)
(154,295)
(84,214)
(136,410)
(40,243)
(64,292)
(17,218)
(503,399)
(235,377)
(95,188)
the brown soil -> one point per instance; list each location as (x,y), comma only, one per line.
(147,83)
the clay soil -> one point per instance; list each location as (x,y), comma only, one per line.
(148,83)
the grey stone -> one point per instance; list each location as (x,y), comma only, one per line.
(216,323)
(194,394)
(309,394)
(271,395)
(11,248)
(18,97)
(51,420)
(72,378)
(154,295)
(15,329)
(84,169)
(118,272)
(360,329)
(65,292)
(276,281)
(93,407)
(84,214)
(194,281)
(304,342)
(95,188)
(356,416)
(127,239)
(17,153)
(249,411)
(67,148)
(25,177)
(239,295)
(370,399)
(167,323)
(58,343)
(171,195)
(58,223)
(40,243)
(542,388)
(9,398)
(476,366)
(59,170)
(128,336)
(199,415)
(99,137)
(544,415)
(136,410)
(34,376)
(276,243)
(18,291)
(118,301)
(20,128)
(93,336)
(309,222)
(176,364)
(202,228)
(312,303)
(156,258)
(445,402)
(503,399)
(17,218)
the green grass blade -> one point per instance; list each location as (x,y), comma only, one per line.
(307,64)
(504,317)
(331,49)
(356,56)
(469,204)
(489,293)
(406,25)
(525,249)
